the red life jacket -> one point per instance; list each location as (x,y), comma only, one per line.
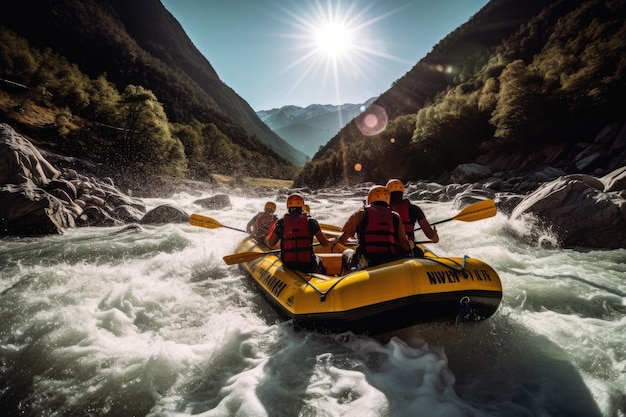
(402,208)
(263,223)
(377,232)
(296,241)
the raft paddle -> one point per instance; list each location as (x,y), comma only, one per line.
(330,227)
(473,212)
(209,223)
(237,258)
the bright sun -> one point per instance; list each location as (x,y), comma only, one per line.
(336,42)
(333,40)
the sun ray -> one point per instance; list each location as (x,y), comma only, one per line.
(336,43)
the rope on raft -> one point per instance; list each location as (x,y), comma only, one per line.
(323,294)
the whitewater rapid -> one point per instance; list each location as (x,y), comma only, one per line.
(149,321)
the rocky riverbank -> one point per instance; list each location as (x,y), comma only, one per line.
(38,198)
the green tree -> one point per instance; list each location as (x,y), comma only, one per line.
(17,61)
(449,132)
(104,99)
(520,104)
(147,140)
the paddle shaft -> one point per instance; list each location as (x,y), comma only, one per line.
(234,228)
(241,257)
(438,222)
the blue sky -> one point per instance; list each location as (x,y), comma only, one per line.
(301,52)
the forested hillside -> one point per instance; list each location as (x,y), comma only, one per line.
(520,85)
(517,87)
(121,84)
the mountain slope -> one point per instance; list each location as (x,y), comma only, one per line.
(520,86)
(308,128)
(140,42)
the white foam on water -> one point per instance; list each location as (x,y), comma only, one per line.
(152,322)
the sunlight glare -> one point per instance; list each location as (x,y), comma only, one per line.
(333,39)
(337,44)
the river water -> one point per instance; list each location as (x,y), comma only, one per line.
(149,321)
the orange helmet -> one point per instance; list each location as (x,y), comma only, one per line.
(306,208)
(378,193)
(395,185)
(270,205)
(295,200)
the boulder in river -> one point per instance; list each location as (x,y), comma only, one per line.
(36,198)
(218,201)
(165,214)
(582,210)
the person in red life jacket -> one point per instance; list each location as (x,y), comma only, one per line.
(260,225)
(295,231)
(410,214)
(379,230)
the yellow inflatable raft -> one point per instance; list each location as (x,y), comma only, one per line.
(375,300)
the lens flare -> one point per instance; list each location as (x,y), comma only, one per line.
(372,121)
(358,167)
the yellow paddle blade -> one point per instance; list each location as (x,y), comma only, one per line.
(238,258)
(473,212)
(477,211)
(203,221)
(209,223)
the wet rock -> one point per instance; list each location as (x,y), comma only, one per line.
(580,211)
(64,185)
(591,157)
(21,161)
(127,214)
(615,181)
(471,196)
(28,210)
(39,199)
(165,214)
(465,173)
(219,201)
(506,202)
(97,217)
(546,174)
(131,228)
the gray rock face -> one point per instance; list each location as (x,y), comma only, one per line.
(615,181)
(218,201)
(28,210)
(582,210)
(165,214)
(21,162)
(469,173)
(36,198)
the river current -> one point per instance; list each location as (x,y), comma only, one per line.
(149,321)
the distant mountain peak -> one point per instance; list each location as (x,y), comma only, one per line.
(308,128)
